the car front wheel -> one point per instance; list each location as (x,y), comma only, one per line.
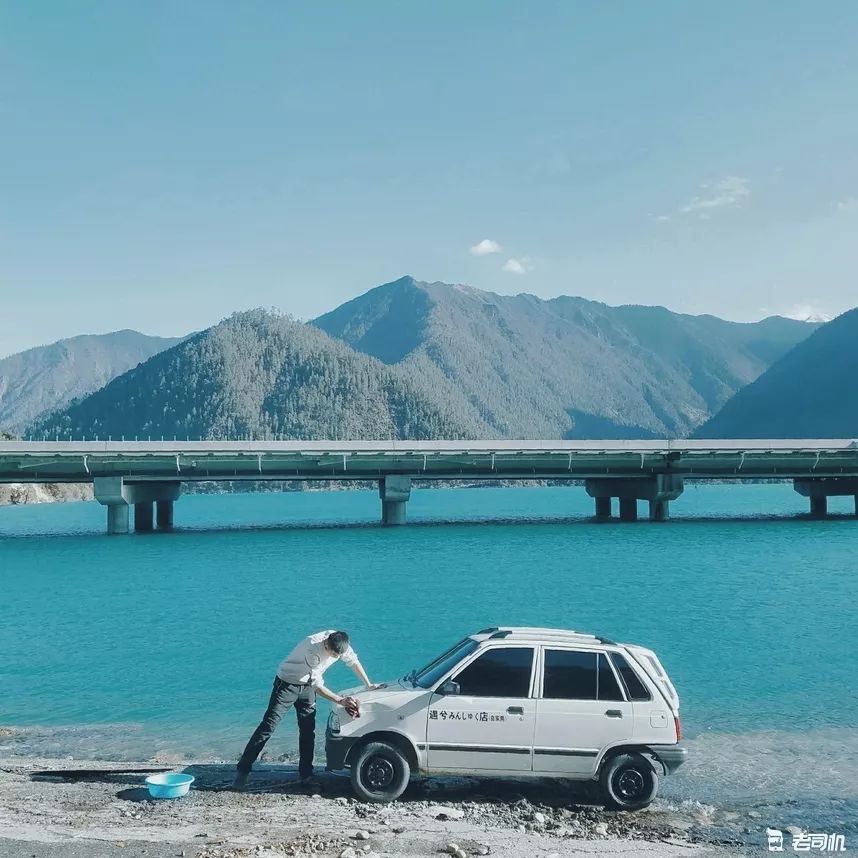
(380,772)
(629,782)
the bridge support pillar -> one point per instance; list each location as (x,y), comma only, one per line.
(394,491)
(117,518)
(658,510)
(108,491)
(658,489)
(603,508)
(117,495)
(143,519)
(822,488)
(628,509)
(164,512)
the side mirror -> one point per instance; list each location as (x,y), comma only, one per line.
(448,687)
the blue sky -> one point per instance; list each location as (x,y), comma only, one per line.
(165,163)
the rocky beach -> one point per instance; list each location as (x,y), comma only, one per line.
(50,809)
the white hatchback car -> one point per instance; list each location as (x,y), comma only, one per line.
(518,702)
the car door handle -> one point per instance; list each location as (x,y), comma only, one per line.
(614,713)
(515,710)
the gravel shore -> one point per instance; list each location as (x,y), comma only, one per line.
(86,813)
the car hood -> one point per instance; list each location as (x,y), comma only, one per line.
(391,696)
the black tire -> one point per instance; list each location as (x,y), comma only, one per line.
(628,782)
(380,772)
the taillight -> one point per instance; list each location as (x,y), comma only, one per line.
(678,724)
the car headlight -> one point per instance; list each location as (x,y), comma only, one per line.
(334,723)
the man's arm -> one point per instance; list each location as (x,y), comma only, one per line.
(329,695)
(349,657)
(349,703)
(357,667)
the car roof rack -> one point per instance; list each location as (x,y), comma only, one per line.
(547,634)
(541,633)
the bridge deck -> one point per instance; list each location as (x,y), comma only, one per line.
(140,461)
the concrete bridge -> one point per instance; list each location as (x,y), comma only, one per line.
(147,475)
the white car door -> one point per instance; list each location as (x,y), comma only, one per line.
(581,710)
(489,724)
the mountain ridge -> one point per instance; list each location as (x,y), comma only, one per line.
(44,378)
(257,374)
(584,356)
(821,370)
(426,360)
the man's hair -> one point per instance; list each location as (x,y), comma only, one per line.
(338,642)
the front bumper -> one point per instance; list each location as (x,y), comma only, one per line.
(671,757)
(337,750)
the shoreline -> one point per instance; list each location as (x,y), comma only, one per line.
(111,814)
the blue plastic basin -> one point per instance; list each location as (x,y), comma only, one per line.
(169,785)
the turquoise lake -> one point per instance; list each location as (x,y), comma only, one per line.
(166,644)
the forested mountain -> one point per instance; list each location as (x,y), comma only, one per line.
(811,392)
(266,376)
(566,367)
(419,360)
(48,377)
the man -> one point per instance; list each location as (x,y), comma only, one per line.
(298,680)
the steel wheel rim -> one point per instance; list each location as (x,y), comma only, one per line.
(378,772)
(629,783)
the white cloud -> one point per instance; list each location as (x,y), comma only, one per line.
(728,192)
(663,218)
(808,313)
(516,266)
(486,247)
(848,205)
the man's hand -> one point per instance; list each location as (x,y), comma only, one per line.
(351,705)
(374,686)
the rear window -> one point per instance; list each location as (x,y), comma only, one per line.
(634,686)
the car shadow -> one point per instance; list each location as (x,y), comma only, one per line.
(118,776)
(283,779)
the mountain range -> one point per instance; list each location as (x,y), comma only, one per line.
(565,367)
(811,392)
(424,360)
(257,374)
(45,378)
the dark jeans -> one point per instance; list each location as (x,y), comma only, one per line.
(284,695)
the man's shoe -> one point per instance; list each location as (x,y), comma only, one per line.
(240,782)
(309,780)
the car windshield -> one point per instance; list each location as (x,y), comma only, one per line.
(433,671)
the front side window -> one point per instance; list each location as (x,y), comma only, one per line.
(498,672)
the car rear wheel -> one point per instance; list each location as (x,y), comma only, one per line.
(380,772)
(629,782)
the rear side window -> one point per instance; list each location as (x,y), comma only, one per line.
(635,688)
(569,675)
(498,673)
(609,688)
